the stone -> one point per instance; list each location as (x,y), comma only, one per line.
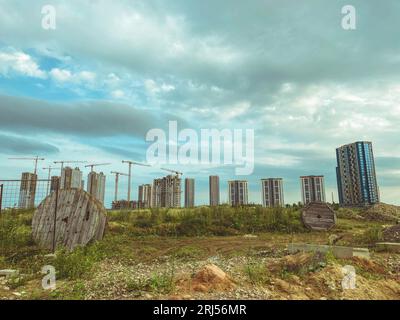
(388,246)
(338,251)
(8,273)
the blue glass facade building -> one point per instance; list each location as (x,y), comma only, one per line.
(356,177)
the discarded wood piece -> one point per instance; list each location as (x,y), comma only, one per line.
(79,219)
(318,216)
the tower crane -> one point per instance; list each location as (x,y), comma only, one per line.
(96,165)
(36,159)
(117,174)
(130,163)
(173,171)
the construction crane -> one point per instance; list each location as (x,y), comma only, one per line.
(130,163)
(117,174)
(173,171)
(49,169)
(66,161)
(36,159)
(96,165)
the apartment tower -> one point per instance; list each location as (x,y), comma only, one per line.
(312,189)
(144,195)
(71,178)
(214,190)
(272,192)
(96,185)
(166,192)
(356,176)
(238,192)
(189,193)
(27,191)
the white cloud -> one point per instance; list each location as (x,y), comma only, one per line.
(153,87)
(118,94)
(20,63)
(85,78)
(61,75)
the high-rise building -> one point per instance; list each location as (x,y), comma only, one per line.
(96,185)
(71,178)
(189,193)
(312,189)
(27,191)
(238,192)
(144,195)
(272,192)
(54,184)
(214,190)
(166,192)
(356,176)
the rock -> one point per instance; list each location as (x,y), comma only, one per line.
(211,278)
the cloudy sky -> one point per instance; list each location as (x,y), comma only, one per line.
(112,70)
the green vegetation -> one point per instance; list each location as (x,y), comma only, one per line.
(256,272)
(207,221)
(370,236)
(180,236)
(160,283)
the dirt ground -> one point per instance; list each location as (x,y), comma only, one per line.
(246,267)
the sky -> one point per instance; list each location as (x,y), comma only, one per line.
(110,71)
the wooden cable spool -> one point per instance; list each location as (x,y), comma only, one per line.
(79,219)
(318,216)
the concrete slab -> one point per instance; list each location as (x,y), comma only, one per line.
(8,273)
(338,251)
(388,246)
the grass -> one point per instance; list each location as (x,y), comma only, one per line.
(370,236)
(181,234)
(188,253)
(208,221)
(159,283)
(256,272)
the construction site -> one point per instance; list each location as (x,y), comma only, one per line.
(151,248)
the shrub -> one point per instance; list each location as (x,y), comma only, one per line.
(371,236)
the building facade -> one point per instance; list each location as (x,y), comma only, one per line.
(71,178)
(238,192)
(312,189)
(166,192)
(144,195)
(27,191)
(96,185)
(356,175)
(124,205)
(214,190)
(54,183)
(189,193)
(272,192)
